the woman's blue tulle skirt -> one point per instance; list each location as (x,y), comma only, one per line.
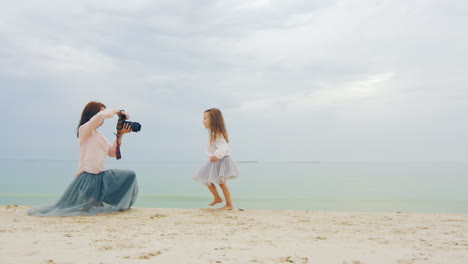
(90,194)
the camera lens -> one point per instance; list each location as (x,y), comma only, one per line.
(135,126)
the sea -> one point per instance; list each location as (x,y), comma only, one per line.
(424,187)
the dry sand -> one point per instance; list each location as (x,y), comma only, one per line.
(153,235)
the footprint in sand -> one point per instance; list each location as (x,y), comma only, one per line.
(150,255)
(290,259)
(105,248)
(454,220)
(157,216)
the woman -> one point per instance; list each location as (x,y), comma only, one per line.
(95,189)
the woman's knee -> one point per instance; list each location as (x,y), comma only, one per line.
(131,175)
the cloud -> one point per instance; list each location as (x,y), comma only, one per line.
(373,87)
(333,63)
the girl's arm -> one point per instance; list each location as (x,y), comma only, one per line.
(222,149)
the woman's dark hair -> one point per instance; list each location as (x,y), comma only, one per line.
(89,111)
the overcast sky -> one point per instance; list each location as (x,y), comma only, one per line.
(296,80)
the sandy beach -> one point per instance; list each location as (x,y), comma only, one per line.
(153,235)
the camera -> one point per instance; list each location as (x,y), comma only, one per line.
(135,126)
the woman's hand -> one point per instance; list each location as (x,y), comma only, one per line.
(213,159)
(118,112)
(126,129)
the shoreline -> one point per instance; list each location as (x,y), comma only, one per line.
(167,235)
(292,204)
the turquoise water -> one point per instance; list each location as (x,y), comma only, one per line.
(371,187)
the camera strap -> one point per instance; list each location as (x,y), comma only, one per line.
(119,132)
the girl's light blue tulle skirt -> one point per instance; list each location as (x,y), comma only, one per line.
(90,194)
(217,172)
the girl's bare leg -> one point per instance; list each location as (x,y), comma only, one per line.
(214,191)
(227,196)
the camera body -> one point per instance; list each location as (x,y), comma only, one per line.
(134,125)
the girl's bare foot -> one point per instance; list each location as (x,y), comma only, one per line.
(216,201)
(226,207)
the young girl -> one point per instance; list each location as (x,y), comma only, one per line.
(220,167)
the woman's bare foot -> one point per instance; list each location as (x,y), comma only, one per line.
(226,207)
(216,201)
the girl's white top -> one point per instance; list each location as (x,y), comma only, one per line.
(94,147)
(219,148)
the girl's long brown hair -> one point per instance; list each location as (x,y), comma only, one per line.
(217,126)
(89,111)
